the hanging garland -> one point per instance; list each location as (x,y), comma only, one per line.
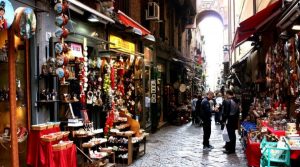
(84,73)
(61,7)
(109,119)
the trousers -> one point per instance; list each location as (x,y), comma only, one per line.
(230,146)
(206,132)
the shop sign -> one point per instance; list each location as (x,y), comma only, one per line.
(76,50)
(121,44)
(153,91)
(148,55)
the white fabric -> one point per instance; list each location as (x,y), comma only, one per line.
(225,135)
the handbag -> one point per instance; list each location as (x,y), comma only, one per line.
(225,134)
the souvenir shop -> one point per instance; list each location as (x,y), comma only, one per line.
(96,89)
(270,131)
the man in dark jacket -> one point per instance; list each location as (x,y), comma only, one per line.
(230,119)
(198,110)
(206,118)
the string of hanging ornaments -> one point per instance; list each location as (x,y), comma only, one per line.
(61,48)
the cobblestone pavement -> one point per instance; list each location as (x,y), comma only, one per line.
(181,146)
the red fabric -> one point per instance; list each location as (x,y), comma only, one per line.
(65,158)
(34,146)
(253,153)
(252,22)
(41,154)
(249,26)
(278,133)
(129,22)
(295,154)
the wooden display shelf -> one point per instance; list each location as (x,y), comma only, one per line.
(128,144)
(46,76)
(110,165)
(70,101)
(47,101)
(84,145)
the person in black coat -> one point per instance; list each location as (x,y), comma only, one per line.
(230,120)
(198,110)
(206,118)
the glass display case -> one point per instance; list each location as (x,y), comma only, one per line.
(21,108)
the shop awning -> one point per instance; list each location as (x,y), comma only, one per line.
(254,23)
(129,22)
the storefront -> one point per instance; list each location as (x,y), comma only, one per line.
(272,120)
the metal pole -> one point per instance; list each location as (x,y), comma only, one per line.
(12,98)
(233,6)
(229,29)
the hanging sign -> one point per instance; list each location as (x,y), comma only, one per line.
(153,91)
(76,50)
(121,44)
(6,14)
(25,23)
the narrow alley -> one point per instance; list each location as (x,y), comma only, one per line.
(177,146)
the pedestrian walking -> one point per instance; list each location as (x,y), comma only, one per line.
(206,118)
(230,118)
(218,108)
(193,104)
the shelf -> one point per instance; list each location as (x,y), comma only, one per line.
(70,101)
(94,145)
(110,165)
(47,76)
(47,101)
(2,62)
(120,151)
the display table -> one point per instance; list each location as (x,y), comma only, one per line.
(253,153)
(41,154)
(278,133)
(34,147)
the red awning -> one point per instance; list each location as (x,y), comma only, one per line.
(129,22)
(251,25)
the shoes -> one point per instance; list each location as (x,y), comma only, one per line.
(205,148)
(229,152)
(208,148)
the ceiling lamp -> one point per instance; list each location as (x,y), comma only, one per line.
(93,18)
(149,37)
(134,30)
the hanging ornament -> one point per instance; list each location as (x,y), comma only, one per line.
(25,22)
(6,14)
(60,72)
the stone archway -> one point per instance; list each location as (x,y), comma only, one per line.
(201,15)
